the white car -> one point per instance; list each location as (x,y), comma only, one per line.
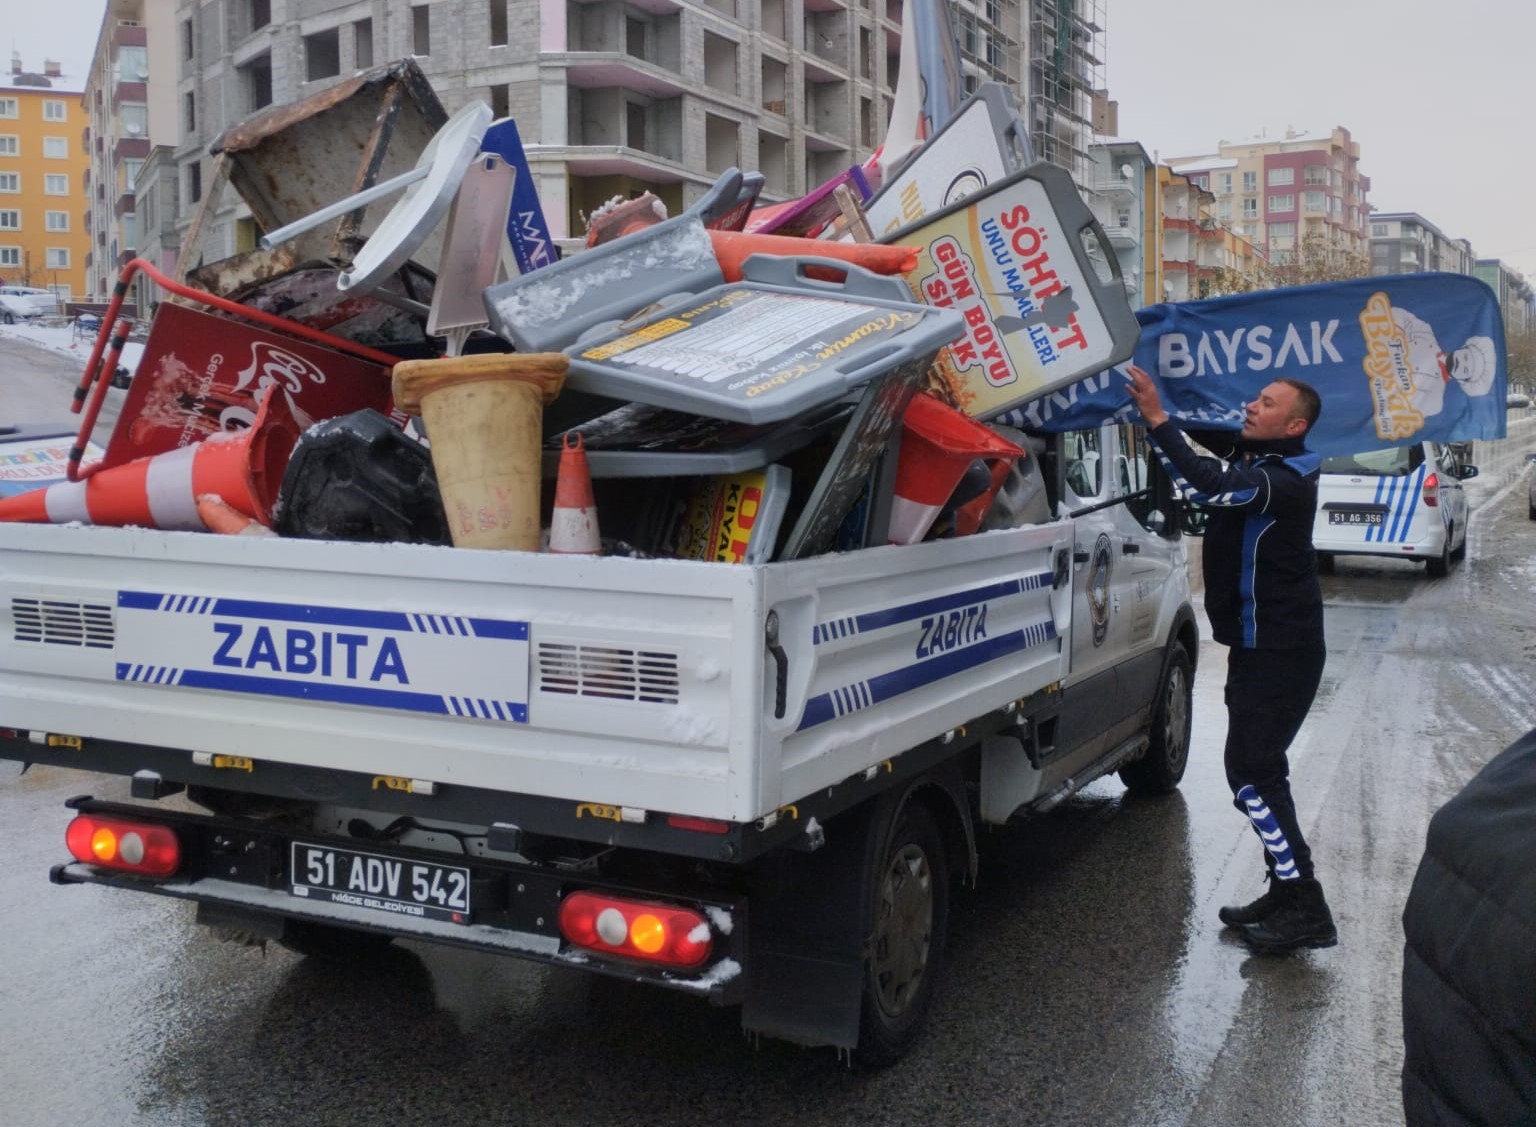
(23,303)
(1403,501)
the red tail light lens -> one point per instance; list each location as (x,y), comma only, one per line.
(636,929)
(130,847)
(1432,490)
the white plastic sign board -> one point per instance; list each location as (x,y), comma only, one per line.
(443,665)
(1012,262)
(473,248)
(984,142)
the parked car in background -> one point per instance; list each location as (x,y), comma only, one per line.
(23,303)
(1404,501)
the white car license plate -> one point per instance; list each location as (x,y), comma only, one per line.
(1343,516)
(413,889)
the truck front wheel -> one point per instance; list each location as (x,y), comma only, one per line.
(911,913)
(1160,769)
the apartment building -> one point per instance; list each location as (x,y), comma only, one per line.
(1122,192)
(43,239)
(1279,193)
(1517,298)
(1065,40)
(129,99)
(1404,242)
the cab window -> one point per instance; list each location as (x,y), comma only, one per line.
(1083,462)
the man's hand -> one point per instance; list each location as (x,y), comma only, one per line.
(1144,394)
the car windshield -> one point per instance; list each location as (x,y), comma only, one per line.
(1392,462)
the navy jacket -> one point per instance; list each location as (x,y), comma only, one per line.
(1261,589)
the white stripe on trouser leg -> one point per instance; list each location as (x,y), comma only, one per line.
(66,502)
(168,483)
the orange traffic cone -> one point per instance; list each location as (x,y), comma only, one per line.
(733,248)
(218,516)
(242,469)
(938,443)
(573,525)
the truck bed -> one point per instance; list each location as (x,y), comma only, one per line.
(630,683)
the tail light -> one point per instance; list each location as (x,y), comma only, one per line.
(1432,490)
(131,847)
(636,929)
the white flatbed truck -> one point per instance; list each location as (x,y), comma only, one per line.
(755,783)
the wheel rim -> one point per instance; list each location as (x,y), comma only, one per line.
(903,929)
(1176,716)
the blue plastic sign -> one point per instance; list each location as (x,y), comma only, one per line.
(531,244)
(1395,359)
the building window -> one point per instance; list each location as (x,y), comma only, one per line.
(54,110)
(188,44)
(10,256)
(1315,174)
(1313,200)
(1224,210)
(1280,177)
(8,108)
(498,23)
(261,13)
(421,30)
(1287,202)
(1250,181)
(56,221)
(322,54)
(362,43)
(258,82)
(189,111)
(1250,208)
(194,182)
(1281,233)
(56,184)
(10,145)
(132,64)
(1203,181)
(56,148)
(1224,183)
(501,101)
(58,258)
(10,220)
(134,118)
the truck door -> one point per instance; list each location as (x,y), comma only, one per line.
(1101,571)
(1152,546)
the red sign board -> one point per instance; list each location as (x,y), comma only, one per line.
(201,373)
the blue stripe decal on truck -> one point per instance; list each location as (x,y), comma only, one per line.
(849,625)
(325,616)
(885,686)
(1413,503)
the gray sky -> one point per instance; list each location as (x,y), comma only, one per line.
(1438,95)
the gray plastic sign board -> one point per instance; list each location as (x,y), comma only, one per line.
(1012,261)
(771,346)
(984,142)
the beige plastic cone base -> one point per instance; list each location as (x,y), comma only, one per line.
(484,417)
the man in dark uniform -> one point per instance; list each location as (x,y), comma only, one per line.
(1264,603)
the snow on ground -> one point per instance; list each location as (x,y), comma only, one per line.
(66,340)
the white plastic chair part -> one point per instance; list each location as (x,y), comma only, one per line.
(419,210)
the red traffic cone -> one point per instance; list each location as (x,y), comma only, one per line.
(573,525)
(938,443)
(243,469)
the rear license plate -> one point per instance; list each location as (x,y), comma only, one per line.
(1340,516)
(414,889)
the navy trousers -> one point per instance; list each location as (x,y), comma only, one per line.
(1268,694)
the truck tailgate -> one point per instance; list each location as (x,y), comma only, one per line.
(646,684)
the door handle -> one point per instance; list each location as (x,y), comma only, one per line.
(1130,548)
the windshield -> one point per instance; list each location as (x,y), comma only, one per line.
(1392,462)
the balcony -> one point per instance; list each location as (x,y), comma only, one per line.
(592,70)
(124,204)
(1123,236)
(1116,187)
(130,148)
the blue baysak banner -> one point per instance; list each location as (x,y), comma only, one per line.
(1395,359)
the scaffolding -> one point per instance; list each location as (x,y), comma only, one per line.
(1065,69)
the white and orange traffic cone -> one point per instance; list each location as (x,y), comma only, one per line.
(242,469)
(218,515)
(938,444)
(573,524)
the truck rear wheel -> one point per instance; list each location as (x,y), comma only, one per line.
(911,915)
(1162,767)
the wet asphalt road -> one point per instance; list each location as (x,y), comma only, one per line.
(1088,979)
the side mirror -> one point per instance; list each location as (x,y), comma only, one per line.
(1192,518)
(1465,472)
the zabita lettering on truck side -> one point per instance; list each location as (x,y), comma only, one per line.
(952,630)
(476,668)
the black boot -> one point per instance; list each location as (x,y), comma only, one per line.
(1234,915)
(1300,919)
